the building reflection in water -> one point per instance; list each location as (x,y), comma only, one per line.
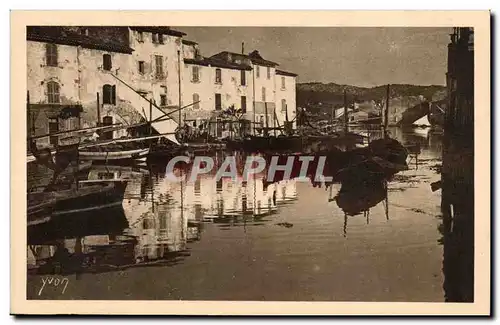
(163,216)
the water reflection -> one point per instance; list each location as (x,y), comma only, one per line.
(158,220)
(163,221)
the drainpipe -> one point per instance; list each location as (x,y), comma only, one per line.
(179,77)
(253,90)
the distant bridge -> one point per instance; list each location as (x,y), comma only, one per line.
(414,113)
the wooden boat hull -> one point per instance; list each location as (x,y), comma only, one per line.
(261,144)
(134,154)
(102,221)
(89,199)
(107,173)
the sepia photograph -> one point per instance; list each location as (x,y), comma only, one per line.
(181,162)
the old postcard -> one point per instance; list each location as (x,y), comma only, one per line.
(250,163)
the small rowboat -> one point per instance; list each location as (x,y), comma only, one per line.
(105,155)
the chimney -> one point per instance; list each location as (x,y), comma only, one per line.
(242,47)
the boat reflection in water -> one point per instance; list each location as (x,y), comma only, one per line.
(157,220)
(254,240)
(355,198)
(164,214)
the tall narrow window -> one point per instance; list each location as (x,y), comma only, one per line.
(155,37)
(160,38)
(283,105)
(257,71)
(141,67)
(196,101)
(196,73)
(268,73)
(106,62)
(218,102)
(107,120)
(109,94)
(243,78)
(53,92)
(263,94)
(283,83)
(159,66)
(51,54)
(163,100)
(218,76)
(53,128)
(243,104)
(140,36)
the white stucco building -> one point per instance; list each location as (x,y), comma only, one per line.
(81,76)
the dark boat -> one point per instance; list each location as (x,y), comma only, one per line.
(369,168)
(357,197)
(89,198)
(265,143)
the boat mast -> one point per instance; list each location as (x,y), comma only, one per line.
(346,119)
(179,79)
(386,114)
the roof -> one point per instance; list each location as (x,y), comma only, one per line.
(254,56)
(60,35)
(258,59)
(158,29)
(188,42)
(286,73)
(217,63)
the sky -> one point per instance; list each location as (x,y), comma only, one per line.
(368,56)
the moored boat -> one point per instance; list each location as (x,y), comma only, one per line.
(108,173)
(87,198)
(114,155)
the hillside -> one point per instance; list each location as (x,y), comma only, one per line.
(331,94)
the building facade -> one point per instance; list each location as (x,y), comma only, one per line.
(88,76)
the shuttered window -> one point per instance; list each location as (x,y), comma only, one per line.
(159,66)
(53,92)
(51,54)
(196,74)
(283,105)
(106,62)
(142,68)
(243,78)
(243,104)
(196,101)
(218,101)
(218,76)
(53,128)
(109,94)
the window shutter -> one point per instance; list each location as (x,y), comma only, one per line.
(107,64)
(153,66)
(105,94)
(113,95)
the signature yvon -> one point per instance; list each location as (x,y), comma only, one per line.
(55,282)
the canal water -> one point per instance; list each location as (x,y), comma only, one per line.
(235,240)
